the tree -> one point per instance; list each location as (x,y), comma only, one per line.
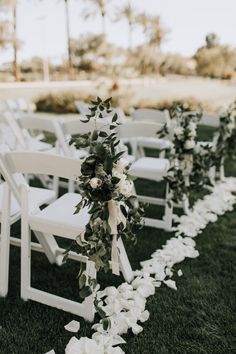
(68,35)
(11,5)
(215,60)
(98,6)
(127,13)
(212,40)
(156,31)
(143,20)
(4,33)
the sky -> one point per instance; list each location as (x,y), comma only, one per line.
(41,25)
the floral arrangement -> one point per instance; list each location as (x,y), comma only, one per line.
(107,190)
(189,161)
(226,138)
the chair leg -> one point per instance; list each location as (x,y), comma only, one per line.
(124,262)
(5,244)
(168,216)
(71,186)
(222,171)
(25,245)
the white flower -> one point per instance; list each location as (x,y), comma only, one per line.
(117,173)
(189,144)
(192,127)
(125,187)
(122,163)
(83,346)
(95,182)
(179,131)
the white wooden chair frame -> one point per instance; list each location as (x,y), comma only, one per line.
(15,162)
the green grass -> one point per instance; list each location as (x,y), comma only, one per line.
(199,318)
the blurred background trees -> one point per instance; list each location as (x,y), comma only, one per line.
(214,59)
(92,54)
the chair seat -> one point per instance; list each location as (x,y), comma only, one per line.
(150,168)
(59,219)
(39,196)
(154,143)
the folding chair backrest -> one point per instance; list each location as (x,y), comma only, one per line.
(138,129)
(12,105)
(75,126)
(35,123)
(17,131)
(27,162)
(150,115)
(210,120)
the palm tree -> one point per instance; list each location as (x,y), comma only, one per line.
(12,6)
(4,33)
(68,35)
(156,31)
(98,6)
(127,12)
(143,20)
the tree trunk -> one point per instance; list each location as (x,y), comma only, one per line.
(68,39)
(15,44)
(130,35)
(103,24)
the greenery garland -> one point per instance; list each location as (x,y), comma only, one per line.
(226,138)
(190,161)
(104,181)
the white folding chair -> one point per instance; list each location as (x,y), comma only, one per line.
(82,107)
(150,115)
(153,169)
(10,213)
(212,120)
(155,116)
(136,132)
(56,219)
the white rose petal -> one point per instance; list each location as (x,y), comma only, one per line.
(171,284)
(73,326)
(180,273)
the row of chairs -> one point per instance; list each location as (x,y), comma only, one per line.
(57,218)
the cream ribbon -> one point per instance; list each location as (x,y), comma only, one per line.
(115,218)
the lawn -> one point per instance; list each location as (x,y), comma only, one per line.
(199,318)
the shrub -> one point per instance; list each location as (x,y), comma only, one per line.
(216,62)
(60,102)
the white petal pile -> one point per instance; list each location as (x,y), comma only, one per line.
(125,305)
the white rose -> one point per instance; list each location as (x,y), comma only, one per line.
(189,144)
(117,173)
(125,187)
(95,182)
(179,131)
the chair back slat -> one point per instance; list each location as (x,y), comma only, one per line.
(35,123)
(41,163)
(210,120)
(75,126)
(150,115)
(138,129)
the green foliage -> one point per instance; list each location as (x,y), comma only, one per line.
(189,162)
(100,183)
(226,137)
(60,102)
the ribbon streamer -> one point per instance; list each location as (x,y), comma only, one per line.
(115,218)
